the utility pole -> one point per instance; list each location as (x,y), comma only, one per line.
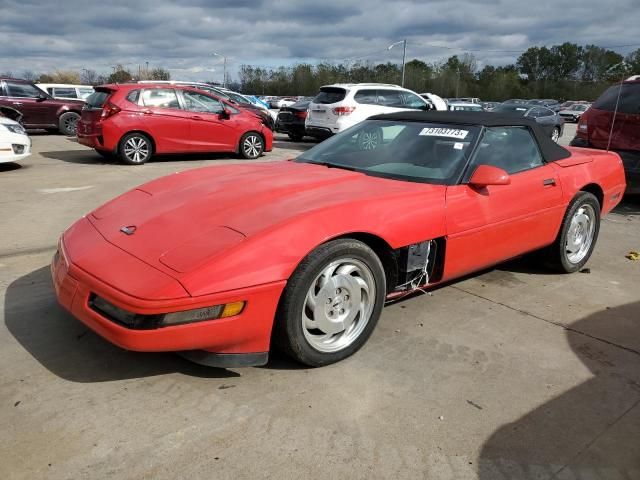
(224,71)
(404,55)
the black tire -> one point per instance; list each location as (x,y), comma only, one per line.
(67,123)
(289,332)
(251,145)
(370,138)
(557,254)
(296,137)
(135,149)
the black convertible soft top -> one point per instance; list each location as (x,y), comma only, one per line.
(551,151)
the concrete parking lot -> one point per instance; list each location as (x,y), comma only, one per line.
(514,373)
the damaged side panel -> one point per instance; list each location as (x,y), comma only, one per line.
(419,264)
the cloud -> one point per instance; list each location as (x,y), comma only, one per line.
(42,35)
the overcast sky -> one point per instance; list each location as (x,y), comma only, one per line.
(75,34)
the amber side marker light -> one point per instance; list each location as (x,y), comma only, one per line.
(145,322)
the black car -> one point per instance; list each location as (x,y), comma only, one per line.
(291,120)
(550,121)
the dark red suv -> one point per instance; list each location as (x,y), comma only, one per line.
(136,121)
(594,128)
(39,109)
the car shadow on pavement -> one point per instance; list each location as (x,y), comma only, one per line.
(67,348)
(91,157)
(297,146)
(9,167)
(88,157)
(590,431)
(630,205)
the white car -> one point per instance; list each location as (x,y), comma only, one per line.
(465,107)
(15,145)
(342,105)
(436,102)
(283,102)
(64,91)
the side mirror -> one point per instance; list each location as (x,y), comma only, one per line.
(226,113)
(41,97)
(486,175)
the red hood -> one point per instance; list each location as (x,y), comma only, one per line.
(186,219)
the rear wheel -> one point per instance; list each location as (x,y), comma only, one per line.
(555,134)
(578,234)
(251,145)
(135,149)
(68,122)
(332,303)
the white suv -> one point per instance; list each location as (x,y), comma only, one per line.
(342,105)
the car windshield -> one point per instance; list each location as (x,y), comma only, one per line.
(511,108)
(402,150)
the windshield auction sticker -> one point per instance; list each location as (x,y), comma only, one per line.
(444,132)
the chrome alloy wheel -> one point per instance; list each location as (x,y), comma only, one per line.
(369,140)
(580,234)
(137,149)
(252,146)
(338,305)
(70,124)
(555,135)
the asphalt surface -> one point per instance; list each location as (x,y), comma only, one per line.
(513,373)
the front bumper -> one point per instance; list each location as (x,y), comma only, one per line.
(14,147)
(236,341)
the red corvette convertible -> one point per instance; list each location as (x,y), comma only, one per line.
(217,262)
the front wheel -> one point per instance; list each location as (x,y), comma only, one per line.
(578,234)
(251,145)
(555,134)
(135,149)
(332,303)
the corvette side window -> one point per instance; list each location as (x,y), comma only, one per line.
(512,149)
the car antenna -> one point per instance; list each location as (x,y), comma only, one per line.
(615,110)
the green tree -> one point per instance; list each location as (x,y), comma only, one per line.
(120,75)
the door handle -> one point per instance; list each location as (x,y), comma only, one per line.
(549,181)
(196,117)
(16,103)
(147,112)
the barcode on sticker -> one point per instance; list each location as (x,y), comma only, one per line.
(444,132)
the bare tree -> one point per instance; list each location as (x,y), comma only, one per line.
(89,77)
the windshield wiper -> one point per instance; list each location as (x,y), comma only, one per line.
(334,165)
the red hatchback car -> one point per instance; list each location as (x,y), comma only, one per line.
(136,121)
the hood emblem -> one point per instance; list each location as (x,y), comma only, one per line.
(130,230)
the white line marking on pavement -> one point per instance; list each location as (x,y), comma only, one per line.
(63,189)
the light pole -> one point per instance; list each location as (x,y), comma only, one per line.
(224,68)
(404,54)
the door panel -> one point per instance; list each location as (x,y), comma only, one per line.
(168,124)
(22,97)
(210,128)
(492,224)
(497,222)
